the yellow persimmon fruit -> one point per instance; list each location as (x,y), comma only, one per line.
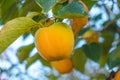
(55,42)
(117,76)
(90,36)
(63,66)
(78,23)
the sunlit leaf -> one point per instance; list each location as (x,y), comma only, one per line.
(79,60)
(92,51)
(103,59)
(45,4)
(35,57)
(31,60)
(114,58)
(13,29)
(24,51)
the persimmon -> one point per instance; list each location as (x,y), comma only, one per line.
(117,76)
(63,66)
(78,23)
(90,36)
(55,42)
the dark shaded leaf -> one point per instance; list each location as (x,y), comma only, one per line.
(57,7)
(93,51)
(72,10)
(29,6)
(8,10)
(108,38)
(45,4)
(114,58)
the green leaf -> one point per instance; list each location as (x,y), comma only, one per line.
(13,29)
(72,10)
(24,51)
(103,59)
(31,60)
(44,62)
(93,51)
(45,4)
(119,3)
(108,38)
(33,31)
(89,3)
(32,14)
(79,60)
(8,10)
(114,58)
(57,7)
(35,57)
(4,5)
(26,8)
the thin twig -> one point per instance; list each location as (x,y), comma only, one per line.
(107,10)
(109,23)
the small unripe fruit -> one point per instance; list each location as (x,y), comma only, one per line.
(55,42)
(63,66)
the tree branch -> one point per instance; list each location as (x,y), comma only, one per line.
(110,22)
